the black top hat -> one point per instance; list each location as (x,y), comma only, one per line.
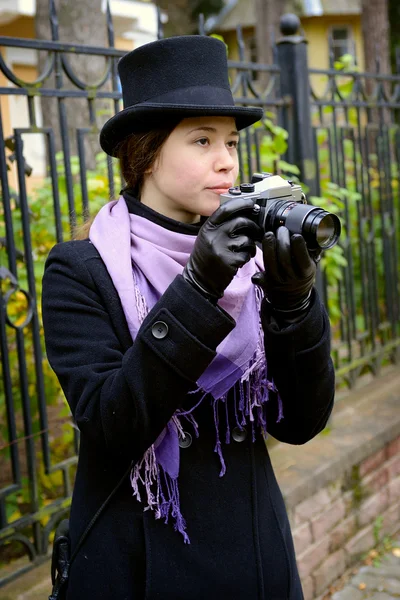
(178,77)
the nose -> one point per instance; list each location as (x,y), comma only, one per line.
(225,160)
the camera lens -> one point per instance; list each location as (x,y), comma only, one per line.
(326,231)
(319,228)
(323,229)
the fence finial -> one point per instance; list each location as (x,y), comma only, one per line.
(160,28)
(291,30)
(202,29)
(289,24)
(110,26)
(240,41)
(53,21)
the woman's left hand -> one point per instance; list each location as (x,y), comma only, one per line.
(289,271)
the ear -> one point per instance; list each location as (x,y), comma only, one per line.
(153,167)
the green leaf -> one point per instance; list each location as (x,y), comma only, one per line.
(280,145)
(96,184)
(333,273)
(340,260)
(279,131)
(288,167)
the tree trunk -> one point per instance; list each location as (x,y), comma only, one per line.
(183,14)
(179,17)
(268,14)
(81,22)
(394,17)
(376,35)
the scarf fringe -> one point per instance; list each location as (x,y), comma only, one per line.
(250,396)
(165,500)
(141,306)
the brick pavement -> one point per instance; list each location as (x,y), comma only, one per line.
(375,583)
(34,585)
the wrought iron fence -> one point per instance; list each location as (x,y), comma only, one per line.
(356,130)
(342,143)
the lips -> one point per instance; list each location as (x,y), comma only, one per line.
(225,185)
(221,188)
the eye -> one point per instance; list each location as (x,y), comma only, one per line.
(202,141)
(233,144)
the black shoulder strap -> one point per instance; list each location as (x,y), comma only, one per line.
(97,515)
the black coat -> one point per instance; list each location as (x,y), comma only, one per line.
(123,394)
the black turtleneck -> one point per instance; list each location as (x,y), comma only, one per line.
(135,207)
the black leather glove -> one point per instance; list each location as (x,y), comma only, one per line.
(289,274)
(224,244)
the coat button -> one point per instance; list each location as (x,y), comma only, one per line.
(185,442)
(159,330)
(239,434)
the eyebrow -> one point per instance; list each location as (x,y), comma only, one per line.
(211,129)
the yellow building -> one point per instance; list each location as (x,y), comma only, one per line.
(321,20)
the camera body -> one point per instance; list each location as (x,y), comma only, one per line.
(278,202)
(266,188)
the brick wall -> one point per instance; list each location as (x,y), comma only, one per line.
(335,526)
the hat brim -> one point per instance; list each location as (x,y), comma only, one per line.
(141,118)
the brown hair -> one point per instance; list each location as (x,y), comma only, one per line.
(136,154)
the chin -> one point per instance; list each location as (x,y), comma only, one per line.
(208,209)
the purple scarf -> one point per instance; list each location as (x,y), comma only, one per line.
(142,259)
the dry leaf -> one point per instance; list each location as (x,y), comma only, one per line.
(362,586)
(396,552)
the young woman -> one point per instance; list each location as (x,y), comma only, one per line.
(178,352)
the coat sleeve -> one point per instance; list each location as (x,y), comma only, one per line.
(122,400)
(299,362)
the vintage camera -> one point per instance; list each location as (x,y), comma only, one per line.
(279,202)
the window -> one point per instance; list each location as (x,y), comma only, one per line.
(342,42)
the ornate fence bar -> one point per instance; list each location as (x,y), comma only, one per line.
(344,144)
(356,128)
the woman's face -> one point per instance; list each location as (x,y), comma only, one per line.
(196,164)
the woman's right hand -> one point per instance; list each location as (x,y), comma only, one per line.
(224,243)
